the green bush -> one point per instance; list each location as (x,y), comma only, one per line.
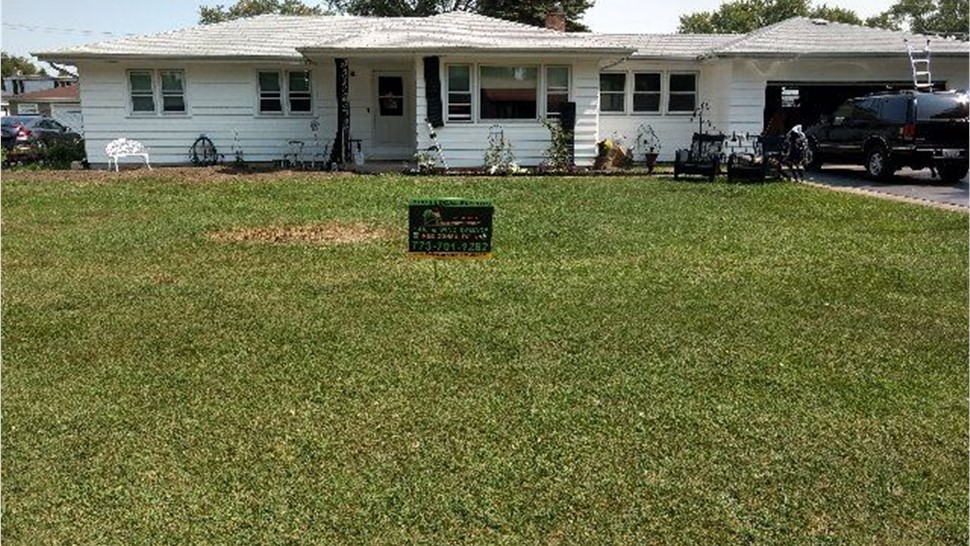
(59,154)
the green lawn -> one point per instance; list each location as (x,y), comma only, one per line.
(643,362)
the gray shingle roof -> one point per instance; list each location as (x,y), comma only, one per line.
(675,46)
(264,36)
(804,36)
(285,37)
(461,31)
(281,36)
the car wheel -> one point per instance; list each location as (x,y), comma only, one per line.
(951,173)
(878,164)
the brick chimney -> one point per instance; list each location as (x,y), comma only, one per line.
(556,18)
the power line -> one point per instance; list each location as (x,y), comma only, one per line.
(56,30)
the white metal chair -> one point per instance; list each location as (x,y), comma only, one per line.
(122,147)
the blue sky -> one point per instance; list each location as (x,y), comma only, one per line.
(35,25)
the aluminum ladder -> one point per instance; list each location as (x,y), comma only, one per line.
(435,145)
(920,62)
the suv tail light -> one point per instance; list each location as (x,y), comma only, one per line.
(908,131)
(23,133)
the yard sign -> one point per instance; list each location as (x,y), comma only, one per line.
(450,228)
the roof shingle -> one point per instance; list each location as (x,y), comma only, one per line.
(284,37)
(804,36)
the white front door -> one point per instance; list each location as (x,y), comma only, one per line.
(393,120)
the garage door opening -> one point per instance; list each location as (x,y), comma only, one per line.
(791,103)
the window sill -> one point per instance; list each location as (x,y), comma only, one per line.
(157,115)
(278,115)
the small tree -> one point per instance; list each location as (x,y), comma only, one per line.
(12,65)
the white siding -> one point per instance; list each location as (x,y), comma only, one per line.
(750,77)
(464,144)
(673,129)
(222,99)
(586,94)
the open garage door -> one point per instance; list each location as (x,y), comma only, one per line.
(791,103)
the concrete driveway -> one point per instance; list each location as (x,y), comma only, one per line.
(907,183)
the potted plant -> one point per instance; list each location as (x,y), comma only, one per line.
(612,155)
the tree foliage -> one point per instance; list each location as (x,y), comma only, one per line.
(743,16)
(835,14)
(250,8)
(530,12)
(926,16)
(12,65)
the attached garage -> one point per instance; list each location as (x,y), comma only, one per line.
(807,102)
(800,70)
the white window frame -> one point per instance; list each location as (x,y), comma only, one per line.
(283,77)
(151,93)
(696,92)
(625,93)
(633,93)
(472,85)
(476,114)
(289,93)
(157,94)
(160,104)
(281,92)
(540,99)
(548,90)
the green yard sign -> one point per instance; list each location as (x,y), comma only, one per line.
(450,228)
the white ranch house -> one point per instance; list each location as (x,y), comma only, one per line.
(267,78)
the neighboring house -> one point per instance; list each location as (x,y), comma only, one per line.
(270,79)
(60,103)
(20,83)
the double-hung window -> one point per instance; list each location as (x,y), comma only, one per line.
(299,91)
(508,92)
(613,92)
(293,86)
(270,93)
(459,92)
(142,89)
(150,88)
(683,93)
(557,90)
(173,90)
(646,92)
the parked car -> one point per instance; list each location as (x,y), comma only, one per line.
(31,132)
(885,132)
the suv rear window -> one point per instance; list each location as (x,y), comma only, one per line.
(941,106)
(895,109)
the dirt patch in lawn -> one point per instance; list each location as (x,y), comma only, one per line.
(330,233)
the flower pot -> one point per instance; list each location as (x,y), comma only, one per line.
(651,160)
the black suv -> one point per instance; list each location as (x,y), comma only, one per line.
(886,132)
